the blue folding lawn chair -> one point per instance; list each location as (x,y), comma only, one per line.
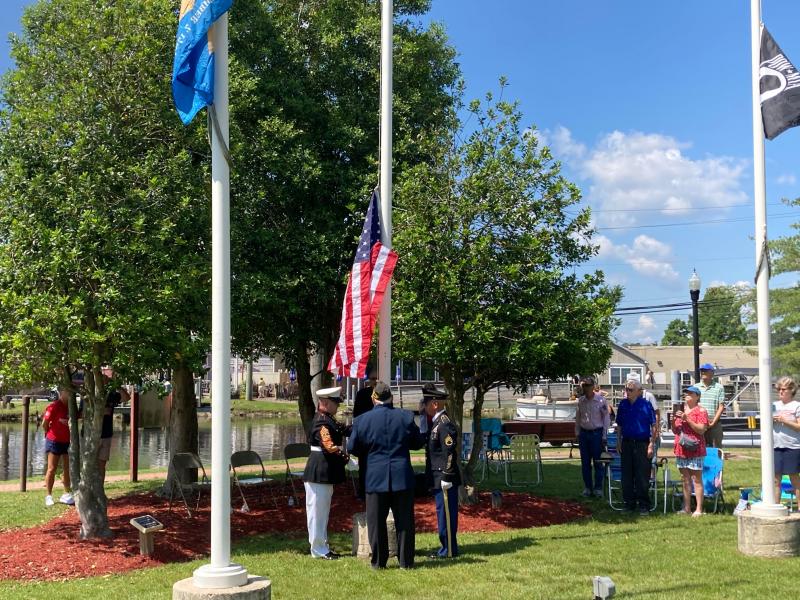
(788,492)
(495,444)
(713,467)
(614,476)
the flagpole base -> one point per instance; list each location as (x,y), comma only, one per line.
(766,511)
(212,577)
(256,588)
(769,537)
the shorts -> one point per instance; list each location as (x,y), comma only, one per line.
(693,464)
(57,448)
(104,452)
(787,461)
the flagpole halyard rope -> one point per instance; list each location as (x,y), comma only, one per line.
(212,117)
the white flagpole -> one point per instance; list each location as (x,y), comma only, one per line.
(221,573)
(385,315)
(768,506)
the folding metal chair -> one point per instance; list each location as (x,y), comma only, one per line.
(249,458)
(292,452)
(180,463)
(524,452)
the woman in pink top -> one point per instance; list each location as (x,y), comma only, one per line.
(689,425)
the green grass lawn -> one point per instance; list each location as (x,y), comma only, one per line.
(16,410)
(257,406)
(658,556)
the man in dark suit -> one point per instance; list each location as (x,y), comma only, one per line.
(441,469)
(363,404)
(386,435)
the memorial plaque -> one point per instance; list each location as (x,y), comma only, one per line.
(147,523)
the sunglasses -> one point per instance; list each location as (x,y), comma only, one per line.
(630,389)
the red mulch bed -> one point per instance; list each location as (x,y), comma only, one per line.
(52,552)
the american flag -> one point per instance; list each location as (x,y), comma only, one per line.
(369,278)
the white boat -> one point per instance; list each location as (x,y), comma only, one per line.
(538,409)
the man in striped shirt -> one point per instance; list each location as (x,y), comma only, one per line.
(712,398)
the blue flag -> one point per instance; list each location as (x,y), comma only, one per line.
(193,67)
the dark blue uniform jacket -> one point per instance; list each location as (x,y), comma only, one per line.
(386,434)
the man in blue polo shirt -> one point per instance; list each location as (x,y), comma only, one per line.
(637,430)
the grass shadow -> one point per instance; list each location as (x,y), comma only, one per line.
(498,547)
(686,588)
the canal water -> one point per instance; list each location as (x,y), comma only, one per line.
(266,437)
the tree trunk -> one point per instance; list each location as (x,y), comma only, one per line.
(316,366)
(305,400)
(90,497)
(477,435)
(74,434)
(454,382)
(182,420)
(468,472)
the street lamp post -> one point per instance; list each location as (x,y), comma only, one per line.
(694,292)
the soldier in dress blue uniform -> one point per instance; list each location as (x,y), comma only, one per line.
(324,469)
(387,434)
(442,469)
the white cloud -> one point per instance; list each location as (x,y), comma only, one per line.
(786,179)
(647,256)
(646,326)
(634,171)
(741,285)
(565,146)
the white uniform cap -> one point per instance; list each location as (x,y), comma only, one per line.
(334,393)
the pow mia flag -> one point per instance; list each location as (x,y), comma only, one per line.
(779,82)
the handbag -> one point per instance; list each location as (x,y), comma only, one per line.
(687,443)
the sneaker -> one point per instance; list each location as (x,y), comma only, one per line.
(48,501)
(598,493)
(66,498)
(644,512)
(586,493)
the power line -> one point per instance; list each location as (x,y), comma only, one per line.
(706,207)
(674,261)
(691,223)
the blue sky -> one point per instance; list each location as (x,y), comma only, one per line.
(648,107)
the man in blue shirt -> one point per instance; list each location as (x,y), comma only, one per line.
(637,430)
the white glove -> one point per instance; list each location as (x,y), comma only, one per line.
(446,485)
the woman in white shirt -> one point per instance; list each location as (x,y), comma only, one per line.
(786,437)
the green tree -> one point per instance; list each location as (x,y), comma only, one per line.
(677,333)
(720,317)
(103,214)
(305,100)
(785,302)
(486,286)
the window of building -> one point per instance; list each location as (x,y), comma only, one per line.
(619,374)
(410,370)
(427,372)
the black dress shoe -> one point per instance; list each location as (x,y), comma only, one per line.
(330,556)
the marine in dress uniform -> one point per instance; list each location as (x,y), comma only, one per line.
(324,469)
(387,434)
(441,468)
